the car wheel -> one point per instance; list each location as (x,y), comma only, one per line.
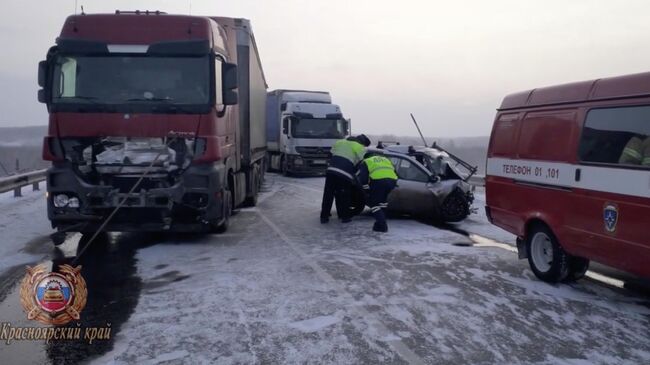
(578,267)
(455,207)
(546,257)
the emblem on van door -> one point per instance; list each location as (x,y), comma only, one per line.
(610,216)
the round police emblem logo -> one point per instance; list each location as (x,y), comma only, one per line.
(610,217)
(53,298)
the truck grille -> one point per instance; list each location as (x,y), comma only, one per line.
(322,152)
(124,184)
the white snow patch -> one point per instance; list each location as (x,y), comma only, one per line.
(314,324)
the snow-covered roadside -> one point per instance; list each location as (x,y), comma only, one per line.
(282,288)
(477,223)
(24,228)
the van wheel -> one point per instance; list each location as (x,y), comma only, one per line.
(577,268)
(222,226)
(546,257)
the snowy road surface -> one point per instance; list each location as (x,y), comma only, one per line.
(279,287)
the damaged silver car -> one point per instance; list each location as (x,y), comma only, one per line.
(432,184)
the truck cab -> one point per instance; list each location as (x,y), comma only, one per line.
(156,122)
(308,132)
(307,124)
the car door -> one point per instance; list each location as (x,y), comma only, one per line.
(412,194)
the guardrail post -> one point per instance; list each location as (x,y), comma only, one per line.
(35,186)
(17,192)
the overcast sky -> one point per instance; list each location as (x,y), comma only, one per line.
(448,62)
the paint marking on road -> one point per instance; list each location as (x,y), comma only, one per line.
(605,279)
(486,242)
(396,344)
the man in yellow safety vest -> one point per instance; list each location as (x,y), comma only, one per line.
(377,174)
(636,151)
(339,179)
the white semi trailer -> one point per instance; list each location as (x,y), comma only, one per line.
(301,127)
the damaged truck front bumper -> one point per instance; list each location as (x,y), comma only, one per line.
(188,202)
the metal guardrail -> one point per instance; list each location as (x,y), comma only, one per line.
(477,180)
(16,182)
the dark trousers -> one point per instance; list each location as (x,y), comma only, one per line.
(378,199)
(339,188)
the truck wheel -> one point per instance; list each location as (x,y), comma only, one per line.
(455,207)
(251,201)
(284,166)
(225,222)
(546,257)
(577,268)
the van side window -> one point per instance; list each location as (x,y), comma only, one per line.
(546,135)
(504,135)
(617,136)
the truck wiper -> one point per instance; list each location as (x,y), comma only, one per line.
(92,99)
(150,99)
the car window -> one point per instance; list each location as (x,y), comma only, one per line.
(409,171)
(617,136)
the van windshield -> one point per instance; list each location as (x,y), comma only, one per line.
(116,80)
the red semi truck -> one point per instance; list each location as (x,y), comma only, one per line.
(568,172)
(160,114)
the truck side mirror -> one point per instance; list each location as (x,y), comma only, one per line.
(42,80)
(229,77)
(41,96)
(42,73)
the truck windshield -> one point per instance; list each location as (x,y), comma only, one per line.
(318,128)
(116,80)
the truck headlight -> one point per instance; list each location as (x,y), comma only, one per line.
(61,200)
(73,202)
(298,160)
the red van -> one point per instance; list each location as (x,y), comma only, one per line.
(568,172)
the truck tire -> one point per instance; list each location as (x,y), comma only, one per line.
(455,207)
(578,267)
(222,226)
(547,259)
(284,166)
(251,201)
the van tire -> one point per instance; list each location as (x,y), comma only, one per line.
(578,267)
(547,259)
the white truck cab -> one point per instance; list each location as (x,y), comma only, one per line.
(308,124)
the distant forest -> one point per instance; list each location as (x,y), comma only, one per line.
(23,144)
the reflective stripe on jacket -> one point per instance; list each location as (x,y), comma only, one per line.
(346,155)
(380,167)
(633,152)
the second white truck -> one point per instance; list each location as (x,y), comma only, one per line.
(301,127)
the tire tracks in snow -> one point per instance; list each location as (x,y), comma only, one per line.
(396,345)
